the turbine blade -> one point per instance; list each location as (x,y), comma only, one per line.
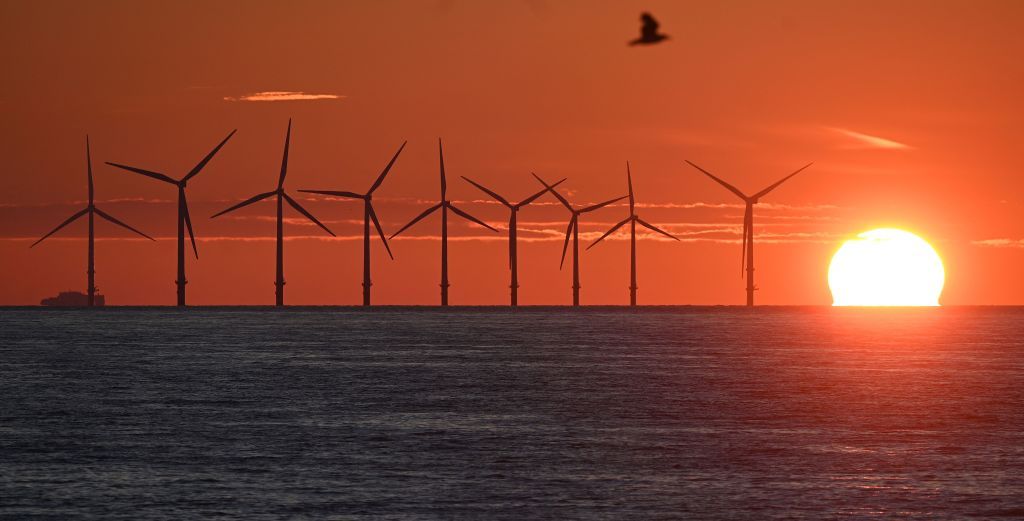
(551,188)
(284,158)
(244,203)
(444,182)
(380,178)
(783,180)
(195,171)
(63,224)
(602,205)
(611,231)
(298,207)
(465,215)
(629,182)
(111,218)
(380,232)
(728,186)
(88,163)
(654,228)
(534,197)
(418,218)
(188,224)
(155,175)
(351,195)
(565,245)
(489,192)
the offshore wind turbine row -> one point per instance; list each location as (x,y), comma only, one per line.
(444,204)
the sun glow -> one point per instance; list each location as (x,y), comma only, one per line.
(886,267)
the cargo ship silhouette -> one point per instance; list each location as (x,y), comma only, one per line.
(71,299)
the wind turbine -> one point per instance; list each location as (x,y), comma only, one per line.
(91,210)
(444,206)
(748,223)
(573,230)
(368,215)
(183,218)
(633,220)
(282,196)
(513,260)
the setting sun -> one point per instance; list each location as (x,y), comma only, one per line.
(886,267)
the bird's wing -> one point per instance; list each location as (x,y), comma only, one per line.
(650,27)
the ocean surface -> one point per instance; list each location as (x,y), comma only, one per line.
(488,413)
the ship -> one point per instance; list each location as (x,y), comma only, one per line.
(72,299)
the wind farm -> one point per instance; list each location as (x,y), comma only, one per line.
(444,205)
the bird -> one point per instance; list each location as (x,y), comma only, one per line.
(649,34)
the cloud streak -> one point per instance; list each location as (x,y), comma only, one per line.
(283,95)
(867,141)
(540,235)
(1000,243)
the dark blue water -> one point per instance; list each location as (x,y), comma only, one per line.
(664,413)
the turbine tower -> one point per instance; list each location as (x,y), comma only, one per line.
(368,215)
(282,196)
(184,221)
(573,230)
(91,210)
(444,206)
(633,220)
(747,262)
(513,261)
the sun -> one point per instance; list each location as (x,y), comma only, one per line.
(886,267)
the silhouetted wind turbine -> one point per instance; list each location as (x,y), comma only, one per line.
(282,196)
(633,220)
(444,206)
(368,215)
(91,210)
(513,261)
(574,231)
(748,223)
(184,221)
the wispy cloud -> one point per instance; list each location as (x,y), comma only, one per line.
(282,95)
(527,235)
(1000,243)
(83,201)
(868,141)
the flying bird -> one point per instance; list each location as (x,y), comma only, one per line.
(649,34)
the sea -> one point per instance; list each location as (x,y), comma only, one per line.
(494,413)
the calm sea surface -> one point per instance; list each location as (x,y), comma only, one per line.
(486,413)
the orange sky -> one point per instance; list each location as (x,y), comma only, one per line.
(910,111)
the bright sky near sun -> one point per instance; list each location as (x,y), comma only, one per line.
(910,110)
